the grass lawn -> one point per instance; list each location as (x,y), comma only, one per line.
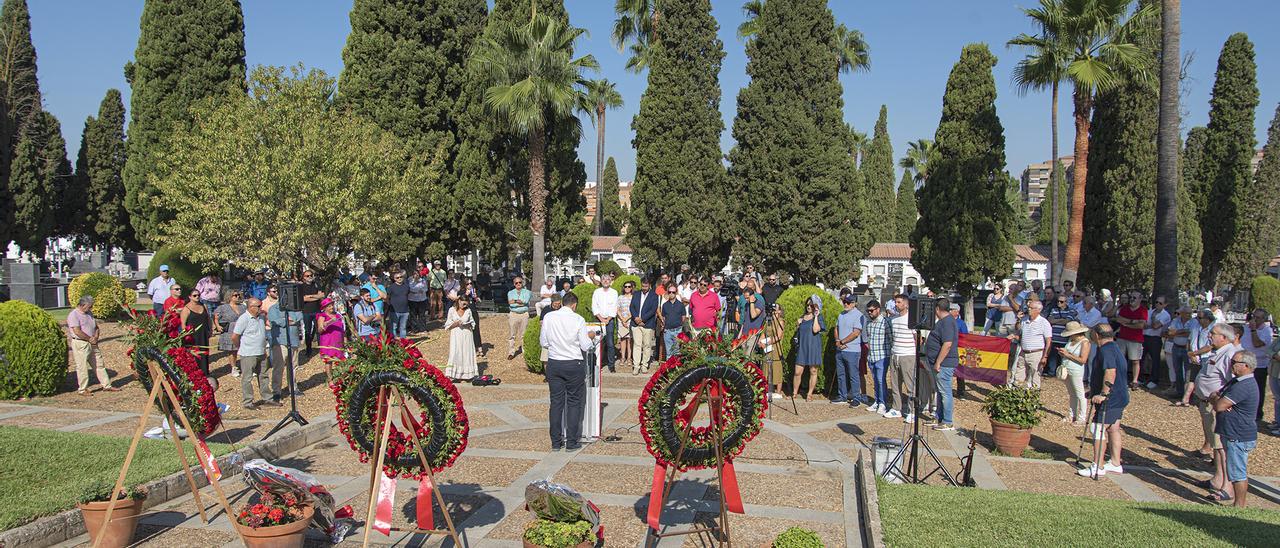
(914,515)
(43,472)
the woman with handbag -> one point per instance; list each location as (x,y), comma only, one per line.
(1074,355)
(808,344)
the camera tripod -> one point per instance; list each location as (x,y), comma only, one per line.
(914,443)
(771,330)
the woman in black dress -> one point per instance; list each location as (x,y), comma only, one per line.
(195,318)
(469,289)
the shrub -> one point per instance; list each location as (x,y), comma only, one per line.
(109,296)
(555,534)
(35,351)
(533,347)
(608,266)
(186,272)
(1266,294)
(100,491)
(1014,405)
(584,291)
(623,279)
(792,303)
(797,537)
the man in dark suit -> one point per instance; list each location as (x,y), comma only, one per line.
(644,319)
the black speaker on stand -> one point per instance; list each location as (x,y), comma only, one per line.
(290,301)
(920,313)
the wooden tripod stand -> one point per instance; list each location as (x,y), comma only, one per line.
(387,397)
(171,406)
(716,402)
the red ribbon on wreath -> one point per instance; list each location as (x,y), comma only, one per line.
(728,477)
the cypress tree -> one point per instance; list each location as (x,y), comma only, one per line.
(1225,166)
(19,99)
(404,69)
(801,209)
(1044,225)
(905,212)
(1189,238)
(877,168)
(966,229)
(40,172)
(1257,203)
(1197,190)
(104,148)
(1120,198)
(72,213)
(611,206)
(1022,229)
(677,146)
(188,50)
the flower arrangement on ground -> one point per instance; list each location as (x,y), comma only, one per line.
(272,510)
(159,339)
(668,400)
(441,424)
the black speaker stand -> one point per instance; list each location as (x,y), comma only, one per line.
(293,415)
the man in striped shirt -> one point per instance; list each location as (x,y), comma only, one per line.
(1034,334)
(902,366)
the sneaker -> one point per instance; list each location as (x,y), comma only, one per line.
(943,427)
(1112,468)
(927,415)
(235,372)
(892,414)
(838,401)
(876,407)
(854,404)
(1151,386)
(1092,471)
(910,418)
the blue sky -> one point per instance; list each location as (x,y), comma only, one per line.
(82,46)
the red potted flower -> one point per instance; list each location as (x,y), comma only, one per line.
(275,521)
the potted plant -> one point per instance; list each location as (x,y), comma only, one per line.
(1013,411)
(546,533)
(93,504)
(797,537)
(275,521)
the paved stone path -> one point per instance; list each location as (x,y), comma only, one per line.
(799,471)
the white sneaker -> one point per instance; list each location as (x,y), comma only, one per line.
(235,372)
(1092,471)
(892,414)
(876,408)
(1151,386)
(909,418)
(1112,468)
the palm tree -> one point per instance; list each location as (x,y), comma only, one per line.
(1103,50)
(851,47)
(637,25)
(860,142)
(601,95)
(919,153)
(533,83)
(1166,281)
(1045,66)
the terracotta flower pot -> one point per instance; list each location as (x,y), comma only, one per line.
(289,535)
(124,520)
(528,544)
(1010,439)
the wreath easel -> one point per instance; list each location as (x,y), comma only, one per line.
(162,394)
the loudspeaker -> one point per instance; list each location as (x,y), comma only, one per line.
(290,297)
(920,313)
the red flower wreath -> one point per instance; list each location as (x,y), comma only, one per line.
(441,425)
(163,334)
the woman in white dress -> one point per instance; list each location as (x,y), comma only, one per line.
(462,346)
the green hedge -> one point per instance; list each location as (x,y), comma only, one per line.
(584,291)
(608,266)
(35,351)
(792,302)
(1266,294)
(186,272)
(623,279)
(533,347)
(109,296)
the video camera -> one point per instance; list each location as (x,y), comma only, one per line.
(730,288)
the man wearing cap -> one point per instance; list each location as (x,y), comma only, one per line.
(257,287)
(159,289)
(848,353)
(518,317)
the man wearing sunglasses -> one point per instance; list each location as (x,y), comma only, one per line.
(1060,313)
(704,306)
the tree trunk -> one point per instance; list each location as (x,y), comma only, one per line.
(1083,99)
(1055,263)
(538,200)
(600,169)
(1166,275)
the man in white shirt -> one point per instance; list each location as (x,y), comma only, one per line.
(1257,336)
(687,288)
(158,289)
(902,367)
(604,306)
(565,337)
(1034,335)
(1179,336)
(544,294)
(1011,308)
(1153,340)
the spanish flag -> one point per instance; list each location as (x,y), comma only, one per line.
(984,359)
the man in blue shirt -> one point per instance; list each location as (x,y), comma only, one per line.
(672,313)
(1236,406)
(1109,387)
(257,287)
(368,319)
(518,318)
(942,355)
(849,353)
(751,308)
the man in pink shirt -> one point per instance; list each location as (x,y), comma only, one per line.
(704,306)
